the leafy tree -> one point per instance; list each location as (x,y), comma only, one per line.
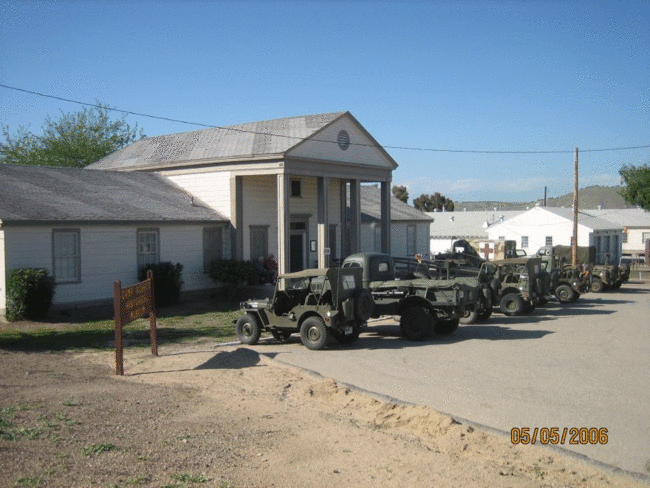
(401,193)
(637,185)
(430,203)
(75,140)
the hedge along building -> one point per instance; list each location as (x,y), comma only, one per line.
(89,228)
(283,185)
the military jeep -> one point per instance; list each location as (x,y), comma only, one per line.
(316,303)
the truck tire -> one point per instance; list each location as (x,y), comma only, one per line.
(597,286)
(469,316)
(417,323)
(564,294)
(313,333)
(248,329)
(446,327)
(363,305)
(512,304)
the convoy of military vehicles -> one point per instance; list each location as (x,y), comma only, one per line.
(426,296)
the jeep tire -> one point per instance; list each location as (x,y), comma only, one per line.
(363,305)
(469,316)
(313,333)
(417,323)
(248,329)
(597,286)
(564,294)
(512,304)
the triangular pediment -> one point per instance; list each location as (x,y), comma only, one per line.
(343,140)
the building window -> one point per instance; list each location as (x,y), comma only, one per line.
(148,247)
(411,239)
(66,256)
(212,246)
(259,242)
(624,240)
(524,242)
(549,240)
(295,188)
(502,238)
(644,237)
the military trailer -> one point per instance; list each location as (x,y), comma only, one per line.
(316,303)
(424,305)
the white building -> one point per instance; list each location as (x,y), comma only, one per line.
(549,226)
(636,227)
(292,187)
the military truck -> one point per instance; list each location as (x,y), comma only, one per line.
(424,305)
(601,277)
(316,303)
(523,285)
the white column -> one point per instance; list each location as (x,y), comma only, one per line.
(284,250)
(323,221)
(385,216)
(355,211)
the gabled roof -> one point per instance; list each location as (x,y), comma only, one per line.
(264,139)
(584,219)
(399,211)
(471,224)
(624,217)
(38,194)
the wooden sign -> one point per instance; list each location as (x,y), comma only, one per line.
(131,303)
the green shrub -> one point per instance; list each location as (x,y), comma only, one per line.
(29,293)
(167,282)
(231,271)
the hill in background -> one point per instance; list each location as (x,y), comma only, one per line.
(590,197)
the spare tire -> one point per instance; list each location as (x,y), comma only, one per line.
(363,305)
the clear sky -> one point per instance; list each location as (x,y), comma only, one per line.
(445,75)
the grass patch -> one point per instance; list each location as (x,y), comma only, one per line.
(98,449)
(190,478)
(214,324)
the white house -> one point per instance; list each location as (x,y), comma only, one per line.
(90,228)
(448,227)
(636,227)
(289,187)
(282,183)
(549,226)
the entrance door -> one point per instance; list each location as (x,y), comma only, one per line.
(297,252)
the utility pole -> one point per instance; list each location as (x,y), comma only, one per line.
(574,249)
(544,196)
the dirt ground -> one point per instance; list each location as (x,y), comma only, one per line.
(203,415)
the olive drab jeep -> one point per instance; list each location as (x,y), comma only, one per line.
(316,303)
(523,285)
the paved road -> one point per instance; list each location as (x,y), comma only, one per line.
(584,365)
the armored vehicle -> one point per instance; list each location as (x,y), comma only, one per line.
(316,303)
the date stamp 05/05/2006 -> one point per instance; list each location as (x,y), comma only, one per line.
(557,435)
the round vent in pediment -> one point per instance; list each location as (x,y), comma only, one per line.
(343,140)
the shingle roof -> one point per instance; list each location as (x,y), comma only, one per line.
(371,207)
(42,194)
(264,138)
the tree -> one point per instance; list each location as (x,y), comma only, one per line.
(401,193)
(75,140)
(637,185)
(431,203)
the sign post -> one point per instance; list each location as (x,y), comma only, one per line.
(129,304)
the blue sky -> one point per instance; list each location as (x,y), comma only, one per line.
(462,75)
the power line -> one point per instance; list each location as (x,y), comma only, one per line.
(234,129)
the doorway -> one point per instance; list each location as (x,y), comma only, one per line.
(297,246)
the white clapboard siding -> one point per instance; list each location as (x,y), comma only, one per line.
(324,146)
(212,188)
(108,253)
